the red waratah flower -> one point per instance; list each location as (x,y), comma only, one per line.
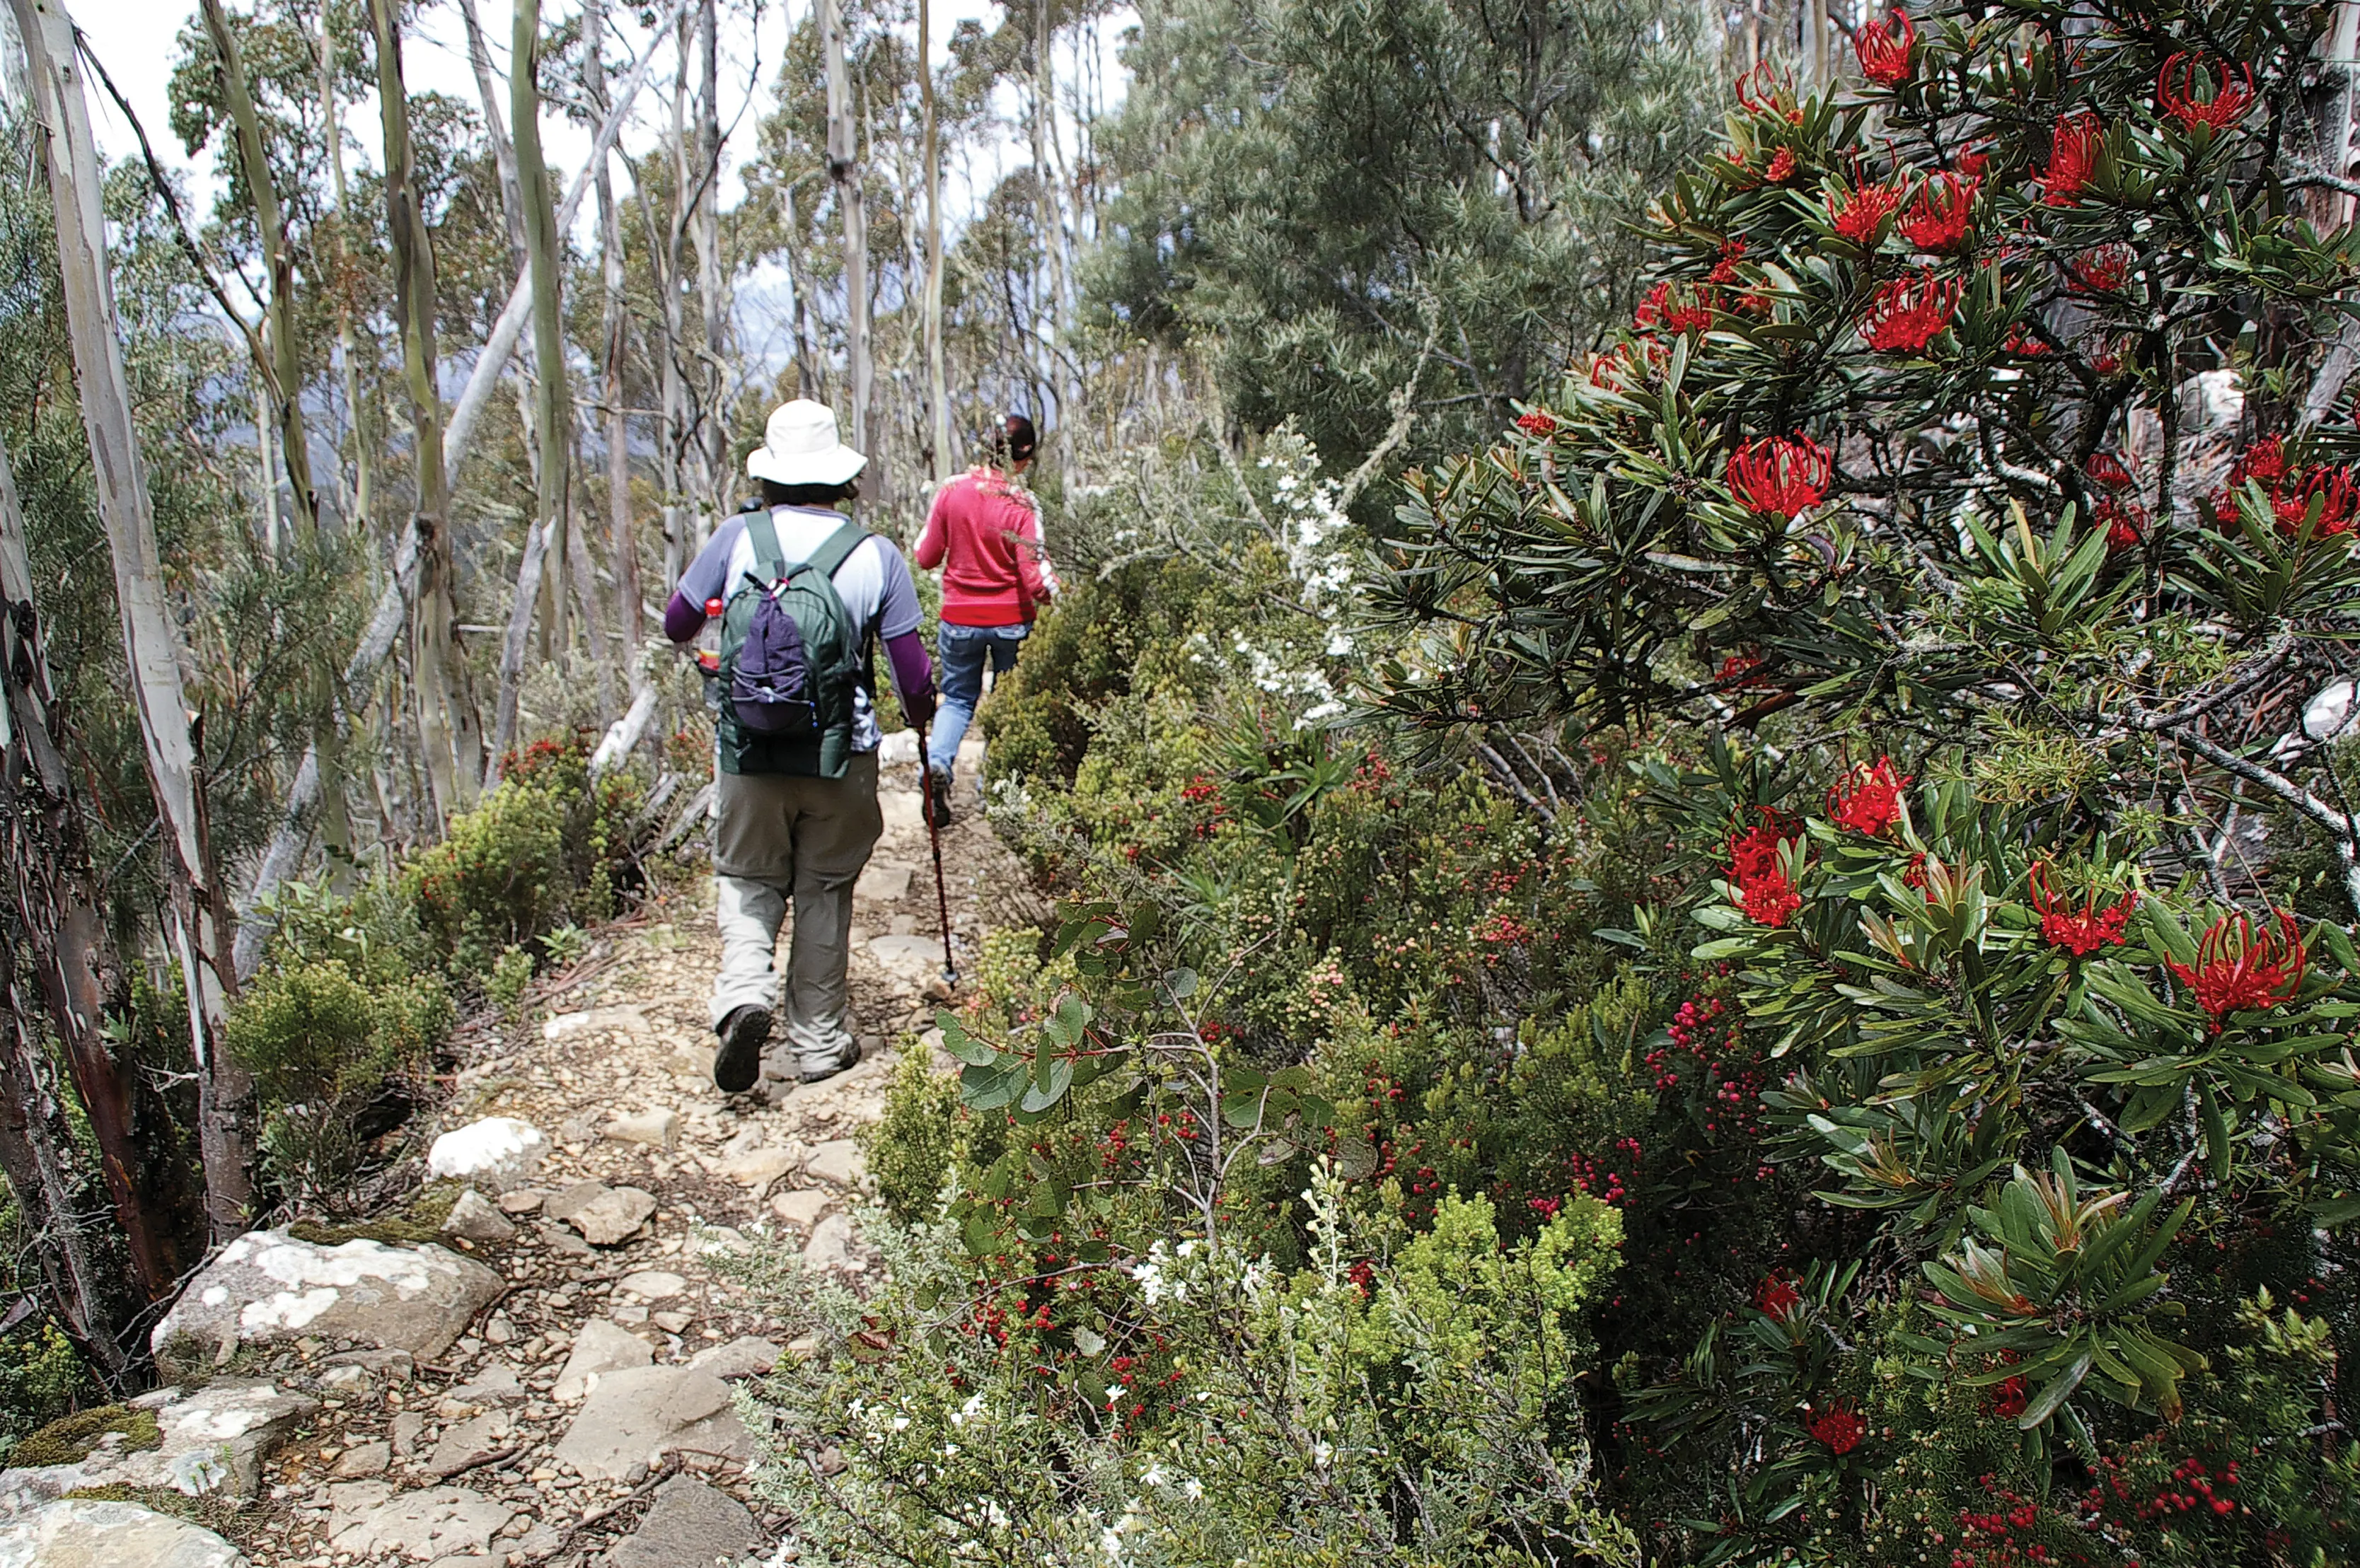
(2124,524)
(1725,270)
(1780,476)
(1757,870)
(1758,90)
(2266,459)
(1781,167)
(1866,208)
(2245,965)
(2078,932)
(2228,92)
(1908,313)
(1884,49)
(1756,851)
(2073,155)
(1537,423)
(1663,307)
(1972,161)
(2107,470)
(1740,671)
(1868,799)
(2008,1397)
(2338,498)
(1769,899)
(1840,1427)
(1938,220)
(2020,341)
(2104,269)
(1776,1295)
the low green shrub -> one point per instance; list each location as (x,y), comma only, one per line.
(333,1062)
(545,849)
(908,1151)
(42,1378)
(1395,1400)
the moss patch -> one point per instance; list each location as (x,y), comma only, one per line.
(417,1223)
(69,1441)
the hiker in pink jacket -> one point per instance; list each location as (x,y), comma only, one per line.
(984,531)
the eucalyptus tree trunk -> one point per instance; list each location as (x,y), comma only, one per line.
(262,194)
(449,732)
(1048,206)
(468,410)
(56,961)
(199,917)
(496,131)
(364,458)
(844,169)
(624,547)
(552,412)
(938,411)
(712,273)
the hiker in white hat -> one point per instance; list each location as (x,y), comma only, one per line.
(805,595)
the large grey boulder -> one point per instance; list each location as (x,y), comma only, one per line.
(83,1534)
(639,1414)
(266,1288)
(689,1525)
(213,1439)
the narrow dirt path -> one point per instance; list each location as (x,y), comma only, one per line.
(505,1451)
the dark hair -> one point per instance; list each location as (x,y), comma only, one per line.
(777,494)
(1015,441)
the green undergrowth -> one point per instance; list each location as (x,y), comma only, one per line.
(71,1439)
(362,985)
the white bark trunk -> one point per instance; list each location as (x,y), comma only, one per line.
(844,169)
(150,635)
(468,411)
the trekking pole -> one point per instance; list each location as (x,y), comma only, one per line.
(934,838)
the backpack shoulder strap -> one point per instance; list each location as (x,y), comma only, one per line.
(763,535)
(837,548)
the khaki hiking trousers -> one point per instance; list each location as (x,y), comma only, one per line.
(777,839)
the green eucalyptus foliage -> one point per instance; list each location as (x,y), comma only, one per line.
(1336,200)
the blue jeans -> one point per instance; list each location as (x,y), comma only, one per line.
(963,651)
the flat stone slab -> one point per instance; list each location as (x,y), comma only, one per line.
(596,1020)
(604,1215)
(802,1209)
(912,957)
(689,1525)
(884,881)
(496,1154)
(746,1356)
(470,1442)
(653,1284)
(836,1161)
(600,1348)
(656,1129)
(474,1217)
(370,1518)
(636,1415)
(84,1534)
(267,1289)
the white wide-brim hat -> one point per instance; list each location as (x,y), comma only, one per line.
(799,446)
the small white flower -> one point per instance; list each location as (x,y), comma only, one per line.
(1322,1452)
(1156,1475)
(1192,1488)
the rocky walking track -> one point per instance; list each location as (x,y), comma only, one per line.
(549,1378)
